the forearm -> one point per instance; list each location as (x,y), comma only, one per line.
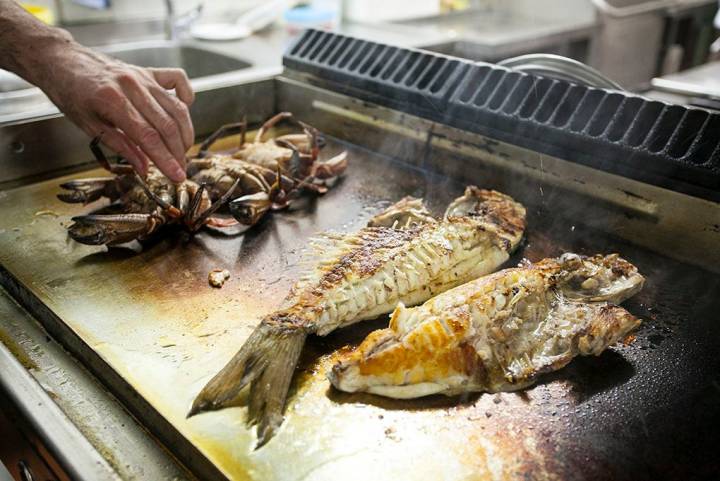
(25,41)
(129,107)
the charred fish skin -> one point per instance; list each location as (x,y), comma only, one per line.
(405,255)
(496,333)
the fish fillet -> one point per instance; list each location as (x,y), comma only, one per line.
(404,255)
(498,332)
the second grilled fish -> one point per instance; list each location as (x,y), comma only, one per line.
(496,333)
(404,255)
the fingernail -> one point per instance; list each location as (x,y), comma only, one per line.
(179,175)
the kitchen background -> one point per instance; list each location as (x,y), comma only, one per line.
(630,41)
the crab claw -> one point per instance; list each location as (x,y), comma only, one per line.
(249,209)
(112,229)
(84,191)
(331,168)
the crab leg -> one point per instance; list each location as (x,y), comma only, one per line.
(202,219)
(323,171)
(195,165)
(314,136)
(295,164)
(249,209)
(227,129)
(294,141)
(278,195)
(194,206)
(256,176)
(182,195)
(172,211)
(270,123)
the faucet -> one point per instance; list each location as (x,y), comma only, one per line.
(176,23)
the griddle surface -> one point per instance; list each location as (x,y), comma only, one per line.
(649,410)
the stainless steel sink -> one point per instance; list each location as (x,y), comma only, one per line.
(195,61)
(18,98)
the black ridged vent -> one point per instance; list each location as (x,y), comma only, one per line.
(667,145)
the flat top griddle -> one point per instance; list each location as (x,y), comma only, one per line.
(149,326)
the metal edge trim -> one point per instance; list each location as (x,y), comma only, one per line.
(68,446)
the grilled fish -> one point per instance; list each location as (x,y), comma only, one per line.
(404,255)
(498,332)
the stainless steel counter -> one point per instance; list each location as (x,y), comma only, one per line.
(681,87)
(498,35)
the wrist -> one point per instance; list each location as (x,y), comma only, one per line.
(37,49)
(24,40)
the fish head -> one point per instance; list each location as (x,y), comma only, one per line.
(608,278)
(492,210)
(410,360)
(476,201)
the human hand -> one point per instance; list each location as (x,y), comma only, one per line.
(130,108)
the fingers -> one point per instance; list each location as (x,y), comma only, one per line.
(121,113)
(174,78)
(141,121)
(179,112)
(127,149)
(158,118)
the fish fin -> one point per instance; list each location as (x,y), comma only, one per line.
(266,362)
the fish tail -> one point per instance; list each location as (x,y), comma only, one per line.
(266,362)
